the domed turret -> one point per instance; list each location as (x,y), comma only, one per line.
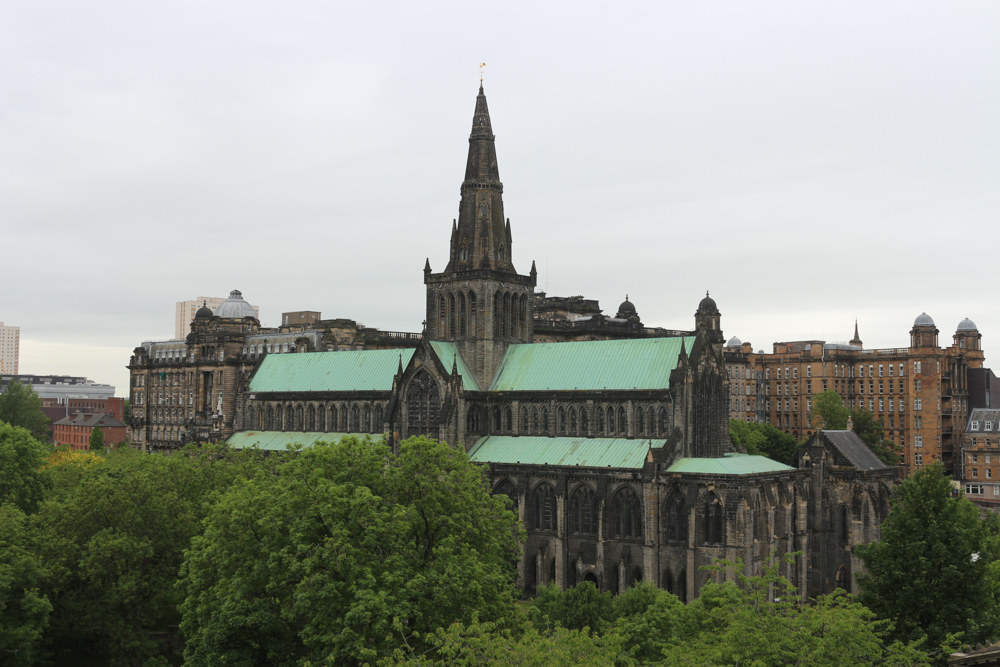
(967,325)
(707,305)
(734,342)
(626,309)
(923,333)
(204,313)
(923,320)
(235,307)
(708,318)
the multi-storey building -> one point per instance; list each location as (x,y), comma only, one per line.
(980,455)
(919,393)
(76,429)
(746,382)
(10,349)
(185,311)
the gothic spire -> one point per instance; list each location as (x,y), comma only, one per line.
(481,239)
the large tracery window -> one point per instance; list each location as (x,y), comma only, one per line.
(545,508)
(422,405)
(627,520)
(583,511)
(311,418)
(676,518)
(713,520)
(506,488)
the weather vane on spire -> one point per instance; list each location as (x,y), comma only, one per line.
(481,66)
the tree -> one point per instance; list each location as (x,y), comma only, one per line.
(24,611)
(764,440)
(22,481)
(346,553)
(872,433)
(21,406)
(829,412)
(933,573)
(96,440)
(582,606)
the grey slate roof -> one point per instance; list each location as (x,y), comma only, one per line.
(980,417)
(90,419)
(853,449)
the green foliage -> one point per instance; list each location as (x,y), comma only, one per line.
(96,440)
(21,406)
(934,571)
(112,536)
(829,412)
(22,481)
(24,610)
(764,440)
(347,553)
(582,606)
(871,431)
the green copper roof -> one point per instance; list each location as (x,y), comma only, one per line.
(730,464)
(282,439)
(363,370)
(447,353)
(590,365)
(592,452)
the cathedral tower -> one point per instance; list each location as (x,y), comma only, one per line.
(480,302)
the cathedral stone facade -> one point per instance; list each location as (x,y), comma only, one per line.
(613,449)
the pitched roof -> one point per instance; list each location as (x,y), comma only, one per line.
(281,440)
(89,419)
(853,449)
(539,450)
(361,370)
(730,464)
(590,365)
(448,353)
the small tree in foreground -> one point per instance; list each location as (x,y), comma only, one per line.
(96,440)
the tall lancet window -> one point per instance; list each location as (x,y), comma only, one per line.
(422,404)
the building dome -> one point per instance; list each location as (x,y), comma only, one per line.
(204,313)
(734,342)
(967,325)
(626,309)
(707,305)
(235,307)
(924,320)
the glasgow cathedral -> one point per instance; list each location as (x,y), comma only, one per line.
(613,446)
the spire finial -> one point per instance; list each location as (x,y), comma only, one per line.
(706,292)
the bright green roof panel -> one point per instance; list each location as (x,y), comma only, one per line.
(535,450)
(280,440)
(362,370)
(448,353)
(590,365)
(730,464)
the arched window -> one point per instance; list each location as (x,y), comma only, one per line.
(600,421)
(611,421)
(379,424)
(366,420)
(452,316)
(496,314)
(627,520)
(269,419)
(343,418)
(676,518)
(508,419)
(662,423)
(572,421)
(584,422)
(622,422)
(333,418)
(472,421)
(583,511)
(525,420)
(442,315)
(423,404)
(545,420)
(311,418)
(462,329)
(545,508)
(713,520)
(355,419)
(506,488)
(534,420)
(562,420)
(472,313)
(497,420)
(640,421)
(321,419)
(299,421)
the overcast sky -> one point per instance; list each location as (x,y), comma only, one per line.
(809,163)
